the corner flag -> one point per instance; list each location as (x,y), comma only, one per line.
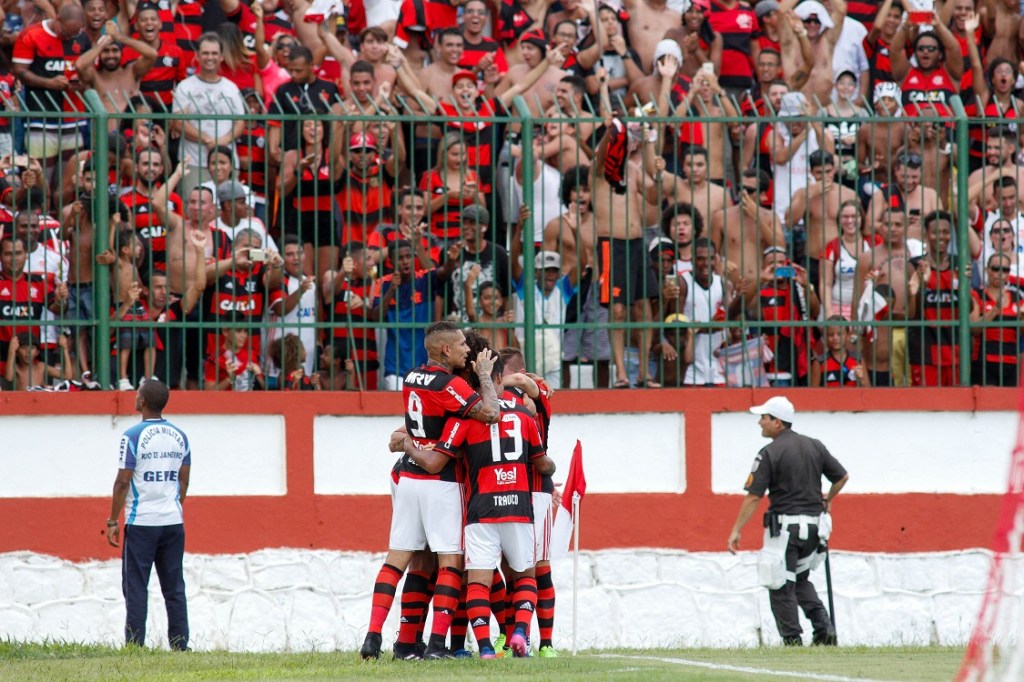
(565,520)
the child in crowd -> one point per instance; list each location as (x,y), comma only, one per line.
(838,367)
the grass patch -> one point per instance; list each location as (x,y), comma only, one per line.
(54,661)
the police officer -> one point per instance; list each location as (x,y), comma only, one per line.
(790,470)
(153,479)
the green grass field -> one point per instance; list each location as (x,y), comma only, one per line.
(55,663)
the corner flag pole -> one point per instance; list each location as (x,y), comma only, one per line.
(575,564)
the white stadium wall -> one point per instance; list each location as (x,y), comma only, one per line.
(288,515)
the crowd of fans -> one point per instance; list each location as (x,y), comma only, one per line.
(719,193)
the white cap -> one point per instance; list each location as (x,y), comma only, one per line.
(777,407)
(668,47)
(809,7)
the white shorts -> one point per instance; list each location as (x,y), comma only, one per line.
(486,542)
(392,382)
(542,525)
(425,512)
(46,143)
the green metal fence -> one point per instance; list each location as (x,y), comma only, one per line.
(563,331)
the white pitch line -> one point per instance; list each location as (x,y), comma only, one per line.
(741,669)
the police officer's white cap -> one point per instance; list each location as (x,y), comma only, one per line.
(777,407)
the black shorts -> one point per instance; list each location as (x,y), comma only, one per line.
(312,227)
(626,272)
(880,378)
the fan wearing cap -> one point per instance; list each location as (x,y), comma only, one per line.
(666,85)
(474,249)
(792,144)
(368,184)
(929,86)
(823,28)
(515,18)
(789,470)
(551,294)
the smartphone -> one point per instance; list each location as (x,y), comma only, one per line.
(21,160)
(671,281)
(707,67)
(785,272)
(258,255)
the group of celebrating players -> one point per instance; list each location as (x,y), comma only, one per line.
(474,482)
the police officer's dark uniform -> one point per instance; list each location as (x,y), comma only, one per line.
(789,469)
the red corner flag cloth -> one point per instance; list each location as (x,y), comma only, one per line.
(575,482)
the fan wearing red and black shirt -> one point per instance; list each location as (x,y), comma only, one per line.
(499,511)
(877,43)
(779,297)
(427,507)
(838,367)
(936,77)
(737,25)
(24,298)
(44,61)
(171,65)
(138,205)
(347,294)
(239,287)
(468,112)
(368,183)
(479,51)
(933,351)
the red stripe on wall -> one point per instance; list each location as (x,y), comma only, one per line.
(697,520)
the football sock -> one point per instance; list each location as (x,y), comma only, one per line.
(478,607)
(415,601)
(431,582)
(545,604)
(383,596)
(524,600)
(446,601)
(460,623)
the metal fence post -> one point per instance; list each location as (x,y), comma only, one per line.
(963,245)
(101,234)
(529,304)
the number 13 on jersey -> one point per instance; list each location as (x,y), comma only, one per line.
(508,428)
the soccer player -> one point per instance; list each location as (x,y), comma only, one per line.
(499,513)
(524,389)
(427,507)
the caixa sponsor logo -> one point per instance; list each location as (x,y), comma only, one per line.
(17,311)
(158,476)
(240,305)
(505,476)
(58,65)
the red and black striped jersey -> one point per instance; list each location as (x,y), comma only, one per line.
(167,71)
(251,147)
(497,456)
(480,136)
(23,301)
(188,26)
(539,482)
(513,22)
(472,54)
(863,11)
(365,202)
(1000,344)
(939,302)
(238,294)
(737,25)
(49,55)
(839,372)
(148,224)
(432,395)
